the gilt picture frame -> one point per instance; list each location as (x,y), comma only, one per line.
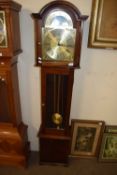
(103,24)
(86,137)
(108,151)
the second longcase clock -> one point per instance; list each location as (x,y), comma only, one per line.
(58,35)
(14,145)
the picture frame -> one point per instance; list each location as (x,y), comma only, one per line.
(103,24)
(86,137)
(111,129)
(108,151)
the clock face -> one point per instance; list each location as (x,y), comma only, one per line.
(58,44)
(3,37)
(58,37)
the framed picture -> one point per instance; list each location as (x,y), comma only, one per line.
(103,24)
(108,152)
(86,137)
(111,129)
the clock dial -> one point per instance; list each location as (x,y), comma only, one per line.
(58,44)
(58,37)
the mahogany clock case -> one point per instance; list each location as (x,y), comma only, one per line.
(14,145)
(58,36)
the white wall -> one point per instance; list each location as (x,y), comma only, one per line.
(95,85)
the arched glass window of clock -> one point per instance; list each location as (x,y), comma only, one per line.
(58,37)
(2,31)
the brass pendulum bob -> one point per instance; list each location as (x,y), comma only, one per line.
(57,119)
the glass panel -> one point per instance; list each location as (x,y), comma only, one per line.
(3,34)
(4,107)
(56,99)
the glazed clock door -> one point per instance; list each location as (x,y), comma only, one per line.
(56,98)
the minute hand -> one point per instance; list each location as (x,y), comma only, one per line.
(65,45)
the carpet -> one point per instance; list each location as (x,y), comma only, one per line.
(77,166)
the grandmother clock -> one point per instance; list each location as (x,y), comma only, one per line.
(58,43)
(13,132)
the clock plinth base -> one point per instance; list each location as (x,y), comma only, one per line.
(14,147)
(54,149)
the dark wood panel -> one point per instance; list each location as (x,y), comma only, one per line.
(54,150)
(4,106)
